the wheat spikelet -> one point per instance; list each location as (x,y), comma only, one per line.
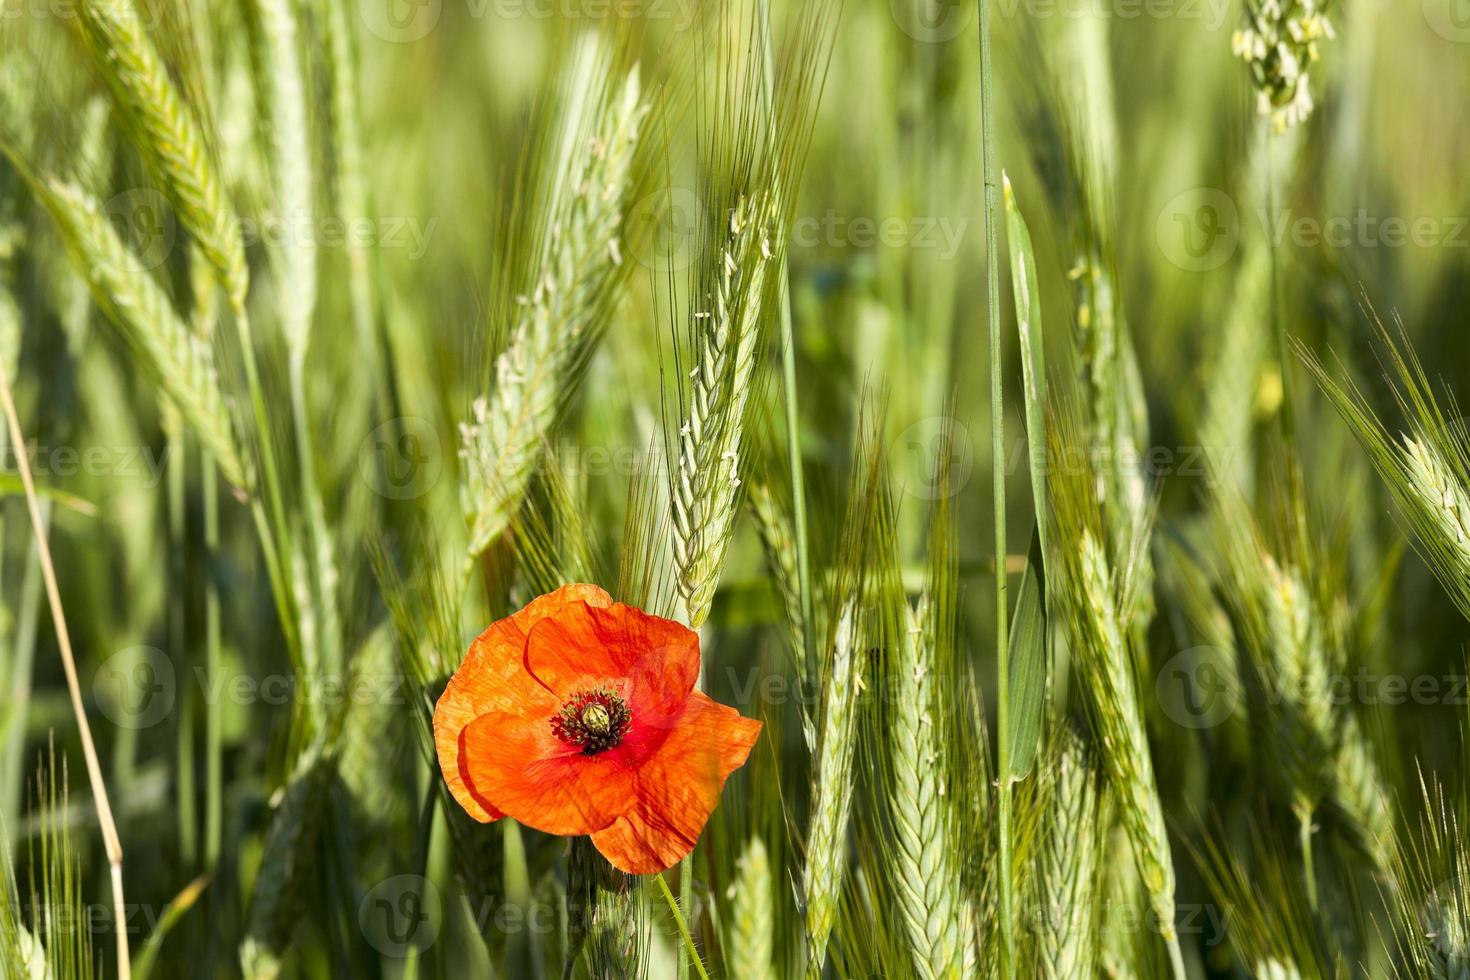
(750,942)
(178,361)
(1067,859)
(925,878)
(779,544)
(168,136)
(554,325)
(826,847)
(1299,679)
(1106,665)
(1442,506)
(1447,944)
(294,265)
(1359,792)
(1430,898)
(1274,969)
(291,166)
(727,350)
(1322,753)
(351,183)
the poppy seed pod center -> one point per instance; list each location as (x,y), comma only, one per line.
(597,719)
(594,721)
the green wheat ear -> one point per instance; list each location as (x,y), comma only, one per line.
(1429,893)
(173,356)
(1094,597)
(56,942)
(1426,466)
(750,938)
(168,136)
(1063,903)
(565,286)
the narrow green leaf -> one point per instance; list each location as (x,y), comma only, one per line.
(10,486)
(1027,654)
(1033,356)
(148,956)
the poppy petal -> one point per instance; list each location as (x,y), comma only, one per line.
(526,772)
(678,787)
(493,678)
(655,661)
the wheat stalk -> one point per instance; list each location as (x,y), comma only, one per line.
(750,942)
(179,362)
(925,878)
(826,848)
(555,314)
(727,350)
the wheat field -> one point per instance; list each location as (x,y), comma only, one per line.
(670,489)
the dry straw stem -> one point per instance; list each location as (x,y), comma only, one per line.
(111,841)
(168,136)
(750,939)
(926,880)
(559,312)
(177,360)
(826,846)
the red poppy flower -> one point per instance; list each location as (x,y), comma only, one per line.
(578,715)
